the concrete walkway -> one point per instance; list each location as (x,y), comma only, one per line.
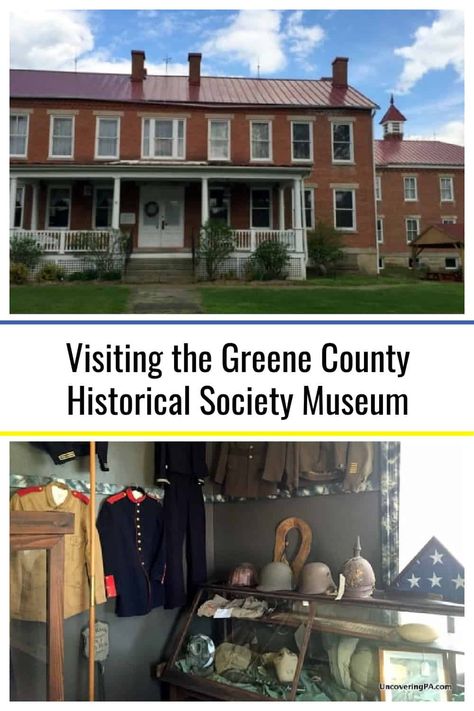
(164,299)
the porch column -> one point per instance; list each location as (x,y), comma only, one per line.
(116,205)
(204,201)
(297,203)
(281,207)
(34,206)
(13,187)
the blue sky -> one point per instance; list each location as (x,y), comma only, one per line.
(417,54)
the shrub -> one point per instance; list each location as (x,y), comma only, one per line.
(50,272)
(18,273)
(112,275)
(24,250)
(217,242)
(86,275)
(324,247)
(269,261)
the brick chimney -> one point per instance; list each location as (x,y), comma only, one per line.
(138,65)
(339,71)
(194,59)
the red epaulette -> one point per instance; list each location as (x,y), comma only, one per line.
(29,490)
(83,497)
(116,497)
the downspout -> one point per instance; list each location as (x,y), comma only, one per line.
(377,253)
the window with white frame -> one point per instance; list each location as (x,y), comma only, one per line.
(378,187)
(260,140)
(379,229)
(301,141)
(59,207)
(344,210)
(219,204)
(412,228)
(261,208)
(219,140)
(163,138)
(62,137)
(107,137)
(410,188)
(309,210)
(449,220)
(446,189)
(19,206)
(342,143)
(450,263)
(392,127)
(103,204)
(18,135)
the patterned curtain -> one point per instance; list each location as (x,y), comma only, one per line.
(389,508)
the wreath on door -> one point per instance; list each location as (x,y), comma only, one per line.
(151,208)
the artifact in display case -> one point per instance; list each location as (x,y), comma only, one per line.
(239,643)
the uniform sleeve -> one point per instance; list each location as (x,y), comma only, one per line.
(161,472)
(105,526)
(221,468)
(340,455)
(274,462)
(158,568)
(292,464)
(99,567)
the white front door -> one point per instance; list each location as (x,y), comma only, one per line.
(161,216)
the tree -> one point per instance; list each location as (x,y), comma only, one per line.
(324,247)
(217,242)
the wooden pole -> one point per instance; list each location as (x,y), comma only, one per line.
(92,543)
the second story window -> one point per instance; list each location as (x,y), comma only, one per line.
(107,138)
(18,135)
(342,143)
(163,138)
(409,188)
(260,140)
(301,141)
(62,137)
(219,143)
(446,189)
(378,187)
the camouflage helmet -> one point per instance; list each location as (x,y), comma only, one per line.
(244,574)
(276,576)
(316,579)
(359,575)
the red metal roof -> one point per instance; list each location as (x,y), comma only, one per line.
(402,152)
(392,114)
(28,83)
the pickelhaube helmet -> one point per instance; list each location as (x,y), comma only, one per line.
(359,575)
(316,579)
(244,574)
(276,576)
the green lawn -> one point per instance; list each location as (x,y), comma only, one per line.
(69,299)
(408,298)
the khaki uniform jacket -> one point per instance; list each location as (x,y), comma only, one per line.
(28,573)
(250,469)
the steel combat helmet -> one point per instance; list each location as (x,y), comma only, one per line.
(276,576)
(316,579)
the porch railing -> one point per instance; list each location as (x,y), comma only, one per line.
(69,241)
(248,240)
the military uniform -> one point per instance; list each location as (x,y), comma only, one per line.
(252,469)
(28,568)
(356,460)
(132,536)
(62,452)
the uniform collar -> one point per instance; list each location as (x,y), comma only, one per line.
(133,499)
(49,495)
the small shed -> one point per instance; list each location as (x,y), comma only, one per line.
(440,236)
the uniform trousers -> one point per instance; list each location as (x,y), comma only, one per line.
(185,520)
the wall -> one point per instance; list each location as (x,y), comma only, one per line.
(136,643)
(246,531)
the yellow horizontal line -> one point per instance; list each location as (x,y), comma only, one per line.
(237,433)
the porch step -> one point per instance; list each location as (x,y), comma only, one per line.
(155,270)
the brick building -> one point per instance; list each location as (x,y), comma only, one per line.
(418,184)
(157,156)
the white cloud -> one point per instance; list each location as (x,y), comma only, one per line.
(102,62)
(252,37)
(435,47)
(48,39)
(302,39)
(450,132)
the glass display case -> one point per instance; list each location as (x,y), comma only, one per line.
(245,644)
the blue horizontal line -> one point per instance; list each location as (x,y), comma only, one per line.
(236,322)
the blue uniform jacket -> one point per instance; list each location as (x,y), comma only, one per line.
(133,547)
